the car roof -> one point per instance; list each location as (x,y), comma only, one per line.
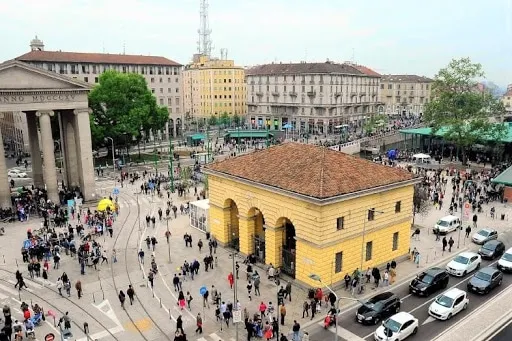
(449,217)
(453,292)
(509,251)
(434,271)
(487,229)
(381,297)
(467,254)
(488,270)
(493,242)
(402,317)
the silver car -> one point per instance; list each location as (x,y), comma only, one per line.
(484,235)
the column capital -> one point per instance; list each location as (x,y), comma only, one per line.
(40,113)
(81,111)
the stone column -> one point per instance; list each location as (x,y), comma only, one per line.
(246,234)
(5,188)
(274,237)
(84,153)
(35,150)
(69,148)
(50,173)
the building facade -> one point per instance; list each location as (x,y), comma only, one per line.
(213,87)
(163,76)
(15,133)
(278,205)
(405,94)
(311,97)
(506,99)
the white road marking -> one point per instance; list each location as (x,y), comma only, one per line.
(428,320)
(102,334)
(9,290)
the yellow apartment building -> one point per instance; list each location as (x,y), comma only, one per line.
(213,87)
(309,209)
(405,94)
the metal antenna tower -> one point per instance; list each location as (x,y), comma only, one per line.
(204,45)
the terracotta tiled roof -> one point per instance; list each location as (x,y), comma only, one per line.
(314,171)
(406,79)
(302,68)
(94,58)
(366,70)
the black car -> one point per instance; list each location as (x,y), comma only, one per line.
(378,308)
(429,282)
(485,280)
(492,249)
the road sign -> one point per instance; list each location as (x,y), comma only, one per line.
(466,210)
(116,191)
(202,290)
(49,337)
(237,316)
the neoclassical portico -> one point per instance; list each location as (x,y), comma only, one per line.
(41,95)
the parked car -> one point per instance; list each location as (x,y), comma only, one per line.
(505,262)
(464,263)
(377,308)
(16,173)
(484,235)
(448,304)
(492,249)
(429,282)
(397,327)
(447,224)
(485,280)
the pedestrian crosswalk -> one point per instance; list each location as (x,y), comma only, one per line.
(213,337)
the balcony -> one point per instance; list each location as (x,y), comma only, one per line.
(259,93)
(275,93)
(312,82)
(311,93)
(293,93)
(353,93)
(363,93)
(337,94)
(303,82)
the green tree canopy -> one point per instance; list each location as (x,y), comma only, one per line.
(375,122)
(224,119)
(460,109)
(237,120)
(122,105)
(212,121)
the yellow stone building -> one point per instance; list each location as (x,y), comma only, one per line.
(213,87)
(309,209)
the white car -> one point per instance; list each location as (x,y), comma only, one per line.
(16,173)
(505,262)
(396,328)
(464,263)
(484,235)
(448,304)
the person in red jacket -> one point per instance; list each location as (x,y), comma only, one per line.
(231,280)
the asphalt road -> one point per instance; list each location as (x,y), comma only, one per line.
(418,306)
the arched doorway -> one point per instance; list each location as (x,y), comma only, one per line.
(179,127)
(232,223)
(259,233)
(289,248)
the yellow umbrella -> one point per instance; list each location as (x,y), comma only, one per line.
(104,203)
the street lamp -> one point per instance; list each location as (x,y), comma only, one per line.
(113,153)
(364,233)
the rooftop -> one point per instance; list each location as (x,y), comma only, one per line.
(406,79)
(309,170)
(94,58)
(504,178)
(303,68)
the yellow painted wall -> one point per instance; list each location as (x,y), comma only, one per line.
(318,239)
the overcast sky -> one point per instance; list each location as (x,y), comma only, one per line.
(390,36)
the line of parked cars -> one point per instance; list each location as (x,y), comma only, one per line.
(397,325)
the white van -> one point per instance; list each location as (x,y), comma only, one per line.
(447,224)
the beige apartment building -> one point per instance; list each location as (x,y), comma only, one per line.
(507,99)
(213,87)
(405,94)
(163,76)
(15,133)
(311,97)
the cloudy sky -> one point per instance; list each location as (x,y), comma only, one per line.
(391,36)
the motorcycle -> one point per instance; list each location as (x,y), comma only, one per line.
(330,320)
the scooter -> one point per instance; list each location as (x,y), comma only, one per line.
(330,320)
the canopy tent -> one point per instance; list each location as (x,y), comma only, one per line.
(104,204)
(195,139)
(198,214)
(423,158)
(248,134)
(426,131)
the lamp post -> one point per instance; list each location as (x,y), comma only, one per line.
(168,241)
(364,233)
(171,169)
(113,153)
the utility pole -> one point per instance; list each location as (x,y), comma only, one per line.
(171,170)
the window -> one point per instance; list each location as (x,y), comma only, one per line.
(161,80)
(169,101)
(395,241)
(340,223)
(398,206)
(371,214)
(152,80)
(369,248)
(177,101)
(161,101)
(390,86)
(161,90)
(169,90)
(338,262)
(86,79)
(382,86)
(152,91)
(96,80)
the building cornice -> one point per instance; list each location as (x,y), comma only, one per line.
(5,92)
(313,200)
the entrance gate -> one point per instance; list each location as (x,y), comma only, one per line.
(259,248)
(288,266)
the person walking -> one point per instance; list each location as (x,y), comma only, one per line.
(189,300)
(78,287)
(231,280)
(450,244)
(468,231)
(257,286)
(141,256)
(296,331)
(205,299)
(475,218)
(199,324)
(445,243)
(122,298)
(131,293)
(179,325)
(282,311)
(305,309)
(288,291)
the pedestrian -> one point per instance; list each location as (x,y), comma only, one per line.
(393,264)
(313,307)
(151,278)
(445,243)
(179,324)
(417,259)
(78,287)
(189,300)
(249,289)
(296,331)
(305,337)
(437,233)
(282,311)
(347,281)
(141,256)
(122,298)
(231,280)
(256,286)
(131,293)
(176,282)
(368,275)
(200,245)
(181,300)
(67,286)
(475,218)
(205,299)
(288,291)
(60,284)
(199,324)
(450,244)
(385,279)
(468,231)
(305,308)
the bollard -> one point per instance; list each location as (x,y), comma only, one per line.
(153,292)
(160,303)
(86,328)
(93,298)
(54,324)
(4,258)
(426,262)
(16,262)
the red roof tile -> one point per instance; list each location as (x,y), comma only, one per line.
(302,68)
(314,171)
(366,70)
(406,79)
(94,58)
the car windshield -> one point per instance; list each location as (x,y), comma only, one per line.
(445,301)
(373,306)
(488,247)
(507,257)
(461,260)
(483,276)
(483,233)
(392,325)
(425,278)
(443,223)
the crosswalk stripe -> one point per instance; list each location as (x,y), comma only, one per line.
(3,297)
(13,283)
(215,337)
(9,290)
(201,339)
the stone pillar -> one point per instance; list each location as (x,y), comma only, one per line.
(84,153)
(273,245)
(69,148)
(246,232)
(5,188)
(50,174)
(167,130)
(219,219)
(35,150)
(175,125)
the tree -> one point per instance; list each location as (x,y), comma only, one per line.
(375,122)
(224,119)
(212,121)
(420,201)
(123,106)
(186,178)
(236,120)
(458,111)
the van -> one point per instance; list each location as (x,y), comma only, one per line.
(447,224)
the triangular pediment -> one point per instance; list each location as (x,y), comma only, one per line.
(16,75)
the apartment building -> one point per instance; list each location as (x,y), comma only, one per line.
(213,87)
(507,99)
(311,97)
(15,133)
(163,76)
(405,94)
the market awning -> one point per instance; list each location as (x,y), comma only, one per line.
(247,134)
(197,137)
(504,178)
